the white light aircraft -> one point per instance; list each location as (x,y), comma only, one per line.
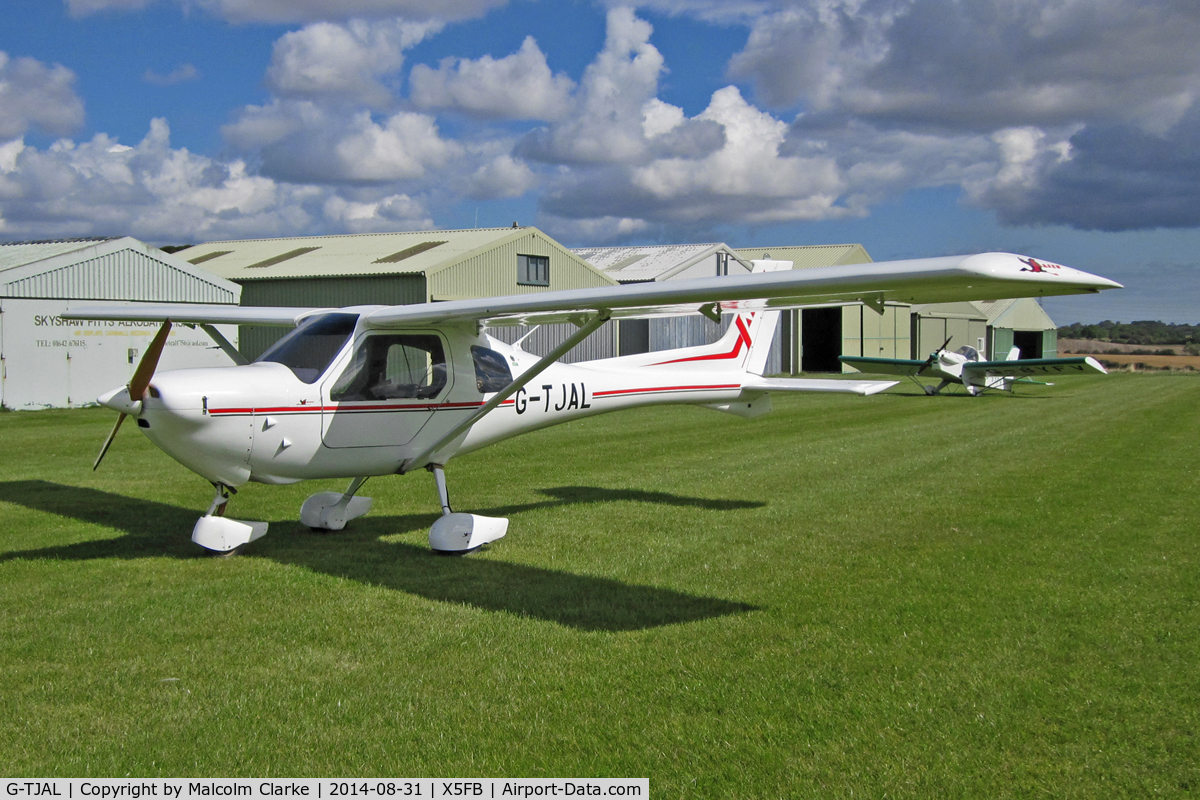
(372,390)
(968,367)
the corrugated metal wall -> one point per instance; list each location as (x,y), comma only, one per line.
(493,273)
(1050,344)
(389,290)
(1002,342)
(669,333)
(933,332)
(666,333)
(601,344)
(883,335)
(121,275)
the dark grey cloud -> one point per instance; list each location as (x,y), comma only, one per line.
(1118,178)
(695,138)
(979,64)
(292,11)
(1078,112)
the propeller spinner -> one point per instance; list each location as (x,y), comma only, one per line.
(933,356)
(138,383)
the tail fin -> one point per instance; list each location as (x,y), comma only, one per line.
(762,324)
(747,343)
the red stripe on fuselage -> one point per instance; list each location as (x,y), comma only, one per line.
(341,408)
(652,389)
(314,409)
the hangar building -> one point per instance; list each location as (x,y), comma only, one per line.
(811,339)
(49,362)
(808,340)
(991,326)
(646,263)
(395,269)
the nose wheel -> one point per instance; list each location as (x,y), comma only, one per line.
(330,511)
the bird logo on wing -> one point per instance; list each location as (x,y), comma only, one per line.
(1033,265)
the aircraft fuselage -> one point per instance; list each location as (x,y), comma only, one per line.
(264,422)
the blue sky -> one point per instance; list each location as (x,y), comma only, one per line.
(1066,129)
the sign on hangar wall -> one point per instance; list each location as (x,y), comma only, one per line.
(50,362)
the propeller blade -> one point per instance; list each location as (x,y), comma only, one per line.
(145,368)
(934,355)
(139,382)
(108,442)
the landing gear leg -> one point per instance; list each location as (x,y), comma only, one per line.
(932,390)
(457,533)
(221,534)
(330,511)
(439,478)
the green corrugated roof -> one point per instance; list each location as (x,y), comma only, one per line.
(809,256)
(352,254)
(1022,313)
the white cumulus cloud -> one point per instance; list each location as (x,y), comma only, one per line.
(503,176)
(352,63)
(37,95)
(518,86)
(302,142)
(165,194)
(605,126)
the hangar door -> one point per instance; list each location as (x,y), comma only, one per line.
(821,339)
(1029,342)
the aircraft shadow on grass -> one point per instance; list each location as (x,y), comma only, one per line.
(154,529)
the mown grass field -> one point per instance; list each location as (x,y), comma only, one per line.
(892,596)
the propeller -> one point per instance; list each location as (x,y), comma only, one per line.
(933,356)
(139,382)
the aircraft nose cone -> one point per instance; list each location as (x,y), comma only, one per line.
(119,400)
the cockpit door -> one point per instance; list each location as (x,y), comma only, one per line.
(391,386)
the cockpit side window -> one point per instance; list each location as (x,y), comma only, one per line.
(970,352)
(491,370)
(308,350)
(392,366)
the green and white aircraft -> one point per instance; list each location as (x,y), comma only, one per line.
(967,366)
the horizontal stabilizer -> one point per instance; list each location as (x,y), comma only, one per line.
(818,385)
(896,366)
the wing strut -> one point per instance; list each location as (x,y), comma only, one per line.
(585,330)
(225,345)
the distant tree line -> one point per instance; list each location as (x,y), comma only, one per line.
(1141,332)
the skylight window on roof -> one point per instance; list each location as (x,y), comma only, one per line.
(209,256)
(270,262)
(416,249)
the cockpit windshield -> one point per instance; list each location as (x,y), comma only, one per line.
(970,352)
(309,348)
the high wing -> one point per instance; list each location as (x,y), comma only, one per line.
(188,314)
(898,366)
(1033,366)
(950,278)
(927,280)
